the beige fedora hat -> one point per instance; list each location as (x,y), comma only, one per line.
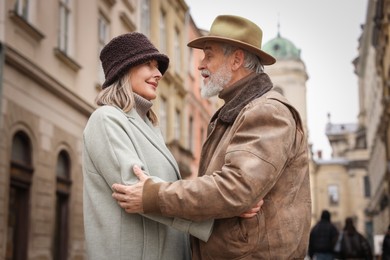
(237,31)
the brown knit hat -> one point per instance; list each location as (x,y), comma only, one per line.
(126,51)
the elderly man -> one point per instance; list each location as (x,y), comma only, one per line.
(256,149)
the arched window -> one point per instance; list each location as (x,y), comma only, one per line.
(19,196)
(60,240)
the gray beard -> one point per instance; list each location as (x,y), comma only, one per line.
(216,83)
(208,91)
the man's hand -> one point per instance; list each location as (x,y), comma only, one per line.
(253,211)
(129,197)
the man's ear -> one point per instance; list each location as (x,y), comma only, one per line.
(238,59)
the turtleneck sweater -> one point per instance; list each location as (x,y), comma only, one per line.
(142,105)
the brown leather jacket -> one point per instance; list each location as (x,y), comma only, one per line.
(256,148)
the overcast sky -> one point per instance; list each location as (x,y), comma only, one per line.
(326,32)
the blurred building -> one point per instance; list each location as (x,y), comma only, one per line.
(372,67)
(288,74)
(340,183)
(50,74)
(358,174)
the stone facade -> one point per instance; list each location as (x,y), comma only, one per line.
(373,70)
(50,74)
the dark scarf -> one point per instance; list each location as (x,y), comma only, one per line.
(240,94)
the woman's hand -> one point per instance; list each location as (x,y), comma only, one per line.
(253,211)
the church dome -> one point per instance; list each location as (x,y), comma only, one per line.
(281,48)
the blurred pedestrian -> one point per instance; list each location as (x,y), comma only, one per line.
(323,238)
(386,245)
(354,245)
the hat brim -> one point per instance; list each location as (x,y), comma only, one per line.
(264,57)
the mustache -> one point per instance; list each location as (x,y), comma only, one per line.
(205,73)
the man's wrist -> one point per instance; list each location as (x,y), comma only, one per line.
(150,197)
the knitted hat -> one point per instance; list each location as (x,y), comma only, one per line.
(126,51)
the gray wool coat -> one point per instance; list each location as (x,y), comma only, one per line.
(114,141)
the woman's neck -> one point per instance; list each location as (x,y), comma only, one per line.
(142,105)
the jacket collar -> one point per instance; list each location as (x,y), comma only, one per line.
(238,95)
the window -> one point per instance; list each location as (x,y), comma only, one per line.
(333,194)
(361,142)
(103,27)
(64,30)
(64,52)
(21,8)
(145,17)
(60,240)
(177,125)
(163,33)
(177,52)
(21,151)
(191,61)
(191,133)
(163,117)
(24,16)
(19,197)
(367,190)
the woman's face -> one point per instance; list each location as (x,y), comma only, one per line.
(144,79)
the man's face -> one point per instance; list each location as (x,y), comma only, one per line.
(215,69)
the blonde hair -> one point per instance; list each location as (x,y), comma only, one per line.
(121,94)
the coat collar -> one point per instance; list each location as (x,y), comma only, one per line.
(153,134)
(238,95)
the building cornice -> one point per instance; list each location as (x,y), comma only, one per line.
(27,68)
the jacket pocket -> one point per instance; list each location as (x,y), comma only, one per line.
(233,238)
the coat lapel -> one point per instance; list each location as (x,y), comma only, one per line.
(154,137)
